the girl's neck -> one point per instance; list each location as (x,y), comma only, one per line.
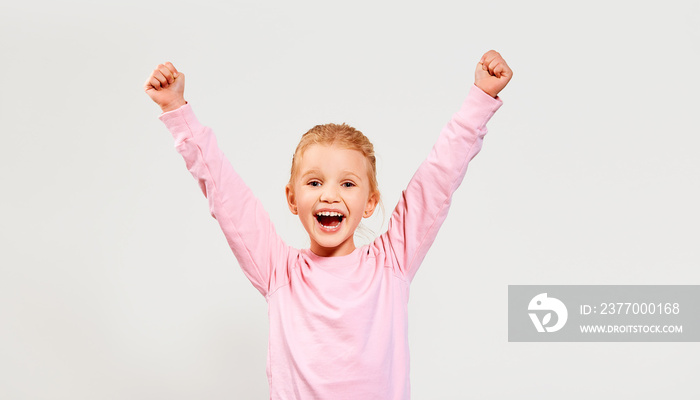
(339,251)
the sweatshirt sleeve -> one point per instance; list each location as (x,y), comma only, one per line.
(425,202)
(245,223)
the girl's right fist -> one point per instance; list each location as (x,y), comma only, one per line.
(492,73)
(166,87)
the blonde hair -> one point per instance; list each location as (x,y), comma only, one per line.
(344,136)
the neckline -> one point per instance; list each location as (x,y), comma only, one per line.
(348,259)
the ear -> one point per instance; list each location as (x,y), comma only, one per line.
(372,202)
(291,201)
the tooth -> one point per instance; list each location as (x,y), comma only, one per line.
(330,214)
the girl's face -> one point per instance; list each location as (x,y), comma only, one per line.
(331,195)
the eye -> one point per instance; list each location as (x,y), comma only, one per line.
(348,184)
(314,183)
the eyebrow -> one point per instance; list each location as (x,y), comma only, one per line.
(310,172)
(353,174)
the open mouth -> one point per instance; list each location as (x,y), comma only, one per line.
(329,219)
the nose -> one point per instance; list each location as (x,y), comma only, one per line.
(330,194)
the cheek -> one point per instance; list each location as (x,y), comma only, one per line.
(360,203)
(304,201)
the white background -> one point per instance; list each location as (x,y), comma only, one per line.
(115,283)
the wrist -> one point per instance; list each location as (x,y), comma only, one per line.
(174,105)
(489,92)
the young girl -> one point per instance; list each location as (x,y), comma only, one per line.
(338,314)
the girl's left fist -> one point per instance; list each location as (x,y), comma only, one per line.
(492,73)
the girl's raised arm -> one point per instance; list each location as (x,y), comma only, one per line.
(245,223)
(424,204)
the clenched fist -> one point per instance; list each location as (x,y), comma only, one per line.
(492,73)
(166,86)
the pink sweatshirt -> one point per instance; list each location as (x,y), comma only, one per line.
(338,325)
